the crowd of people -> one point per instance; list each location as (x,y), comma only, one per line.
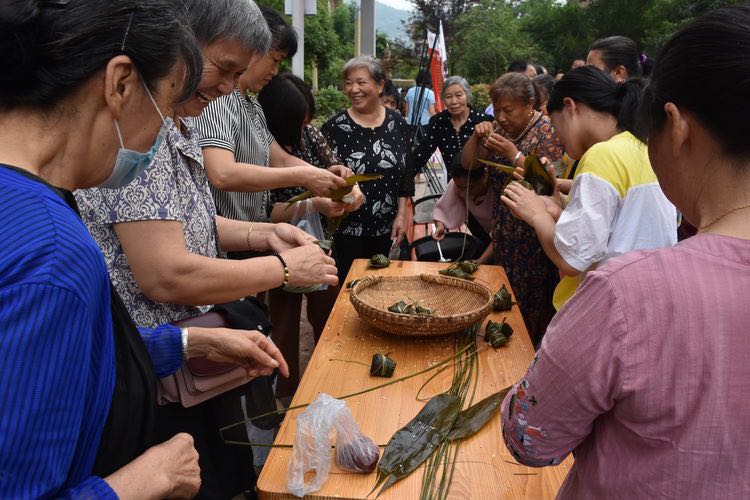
(112,258)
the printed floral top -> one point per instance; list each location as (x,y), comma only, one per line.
(532,275)
(441,134)
(380,150)
(174,187)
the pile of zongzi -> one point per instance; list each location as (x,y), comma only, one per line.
(462,269)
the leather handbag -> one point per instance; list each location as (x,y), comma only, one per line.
(200,379)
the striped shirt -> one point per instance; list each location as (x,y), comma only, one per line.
(56,345)
(237,123)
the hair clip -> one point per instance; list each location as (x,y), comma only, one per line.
(644,58)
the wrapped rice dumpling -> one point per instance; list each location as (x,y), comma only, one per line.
(537,177)
(498,334)
(382,366)
(502,300)
(379,261)
(341,193)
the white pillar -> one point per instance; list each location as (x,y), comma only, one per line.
(298,22)
(368,27)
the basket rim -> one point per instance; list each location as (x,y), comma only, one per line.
(405,319)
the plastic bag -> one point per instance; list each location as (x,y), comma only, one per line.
(316,427)
(307,218)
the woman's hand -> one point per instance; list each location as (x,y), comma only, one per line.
(502,146)
(358,198)
(308,266)
(167,470)
(283,236)
(438,230)
(321,181)
(248,348)
(398,230)
(483,130)
(524,203)
(329,208)
(341,171)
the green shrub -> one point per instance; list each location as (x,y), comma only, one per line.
(328,102)
(481,96)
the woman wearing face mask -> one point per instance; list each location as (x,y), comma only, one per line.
(643,374)
(162,240)
(77,384)
(615,204)
(238,147)
(450,129)
(519,129)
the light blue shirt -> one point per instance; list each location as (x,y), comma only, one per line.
(428,99)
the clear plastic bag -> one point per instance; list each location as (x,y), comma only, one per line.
(316,428)
(307,218)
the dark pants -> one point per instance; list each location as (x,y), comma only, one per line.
(347,248)
(226,470)
(285,316)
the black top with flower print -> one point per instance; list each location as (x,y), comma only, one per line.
(440,133)
(381,150)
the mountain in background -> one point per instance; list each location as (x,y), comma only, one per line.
(388,21)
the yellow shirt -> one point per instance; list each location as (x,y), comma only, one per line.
(615,206)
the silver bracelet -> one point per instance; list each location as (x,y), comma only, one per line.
(184,334)
(515,160)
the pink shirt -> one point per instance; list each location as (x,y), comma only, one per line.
(450,209)
(645,373)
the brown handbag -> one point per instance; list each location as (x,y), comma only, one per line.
(200,379)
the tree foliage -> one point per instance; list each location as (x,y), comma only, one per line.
(483,36)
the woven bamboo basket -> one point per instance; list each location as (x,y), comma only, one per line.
(457,303)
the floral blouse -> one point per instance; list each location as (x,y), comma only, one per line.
(174,187)
(380,150)
(441,134)
(532,275)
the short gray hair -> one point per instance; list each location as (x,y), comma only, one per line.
(458,80)
(369,63)
(239,20)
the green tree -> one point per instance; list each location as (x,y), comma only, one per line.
(487,38)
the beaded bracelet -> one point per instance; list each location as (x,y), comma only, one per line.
(286,268)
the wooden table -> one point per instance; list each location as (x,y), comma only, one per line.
(484,469)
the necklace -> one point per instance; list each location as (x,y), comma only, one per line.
(526,129)
(704,226)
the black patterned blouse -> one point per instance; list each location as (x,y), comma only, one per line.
(380,150)
(440,133)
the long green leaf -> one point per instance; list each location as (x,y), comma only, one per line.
(471,420)
(416,441)
(338,194)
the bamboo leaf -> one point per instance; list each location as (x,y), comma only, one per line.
(471,420)
(338,194)
(416,441)
(503,168)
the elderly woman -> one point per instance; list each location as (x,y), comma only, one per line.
(370,139)
(643,374)
(616,204)
(519,129)
(238,147)
(161,236)
(77,383)
(450,129)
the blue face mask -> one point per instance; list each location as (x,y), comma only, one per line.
(131,164)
